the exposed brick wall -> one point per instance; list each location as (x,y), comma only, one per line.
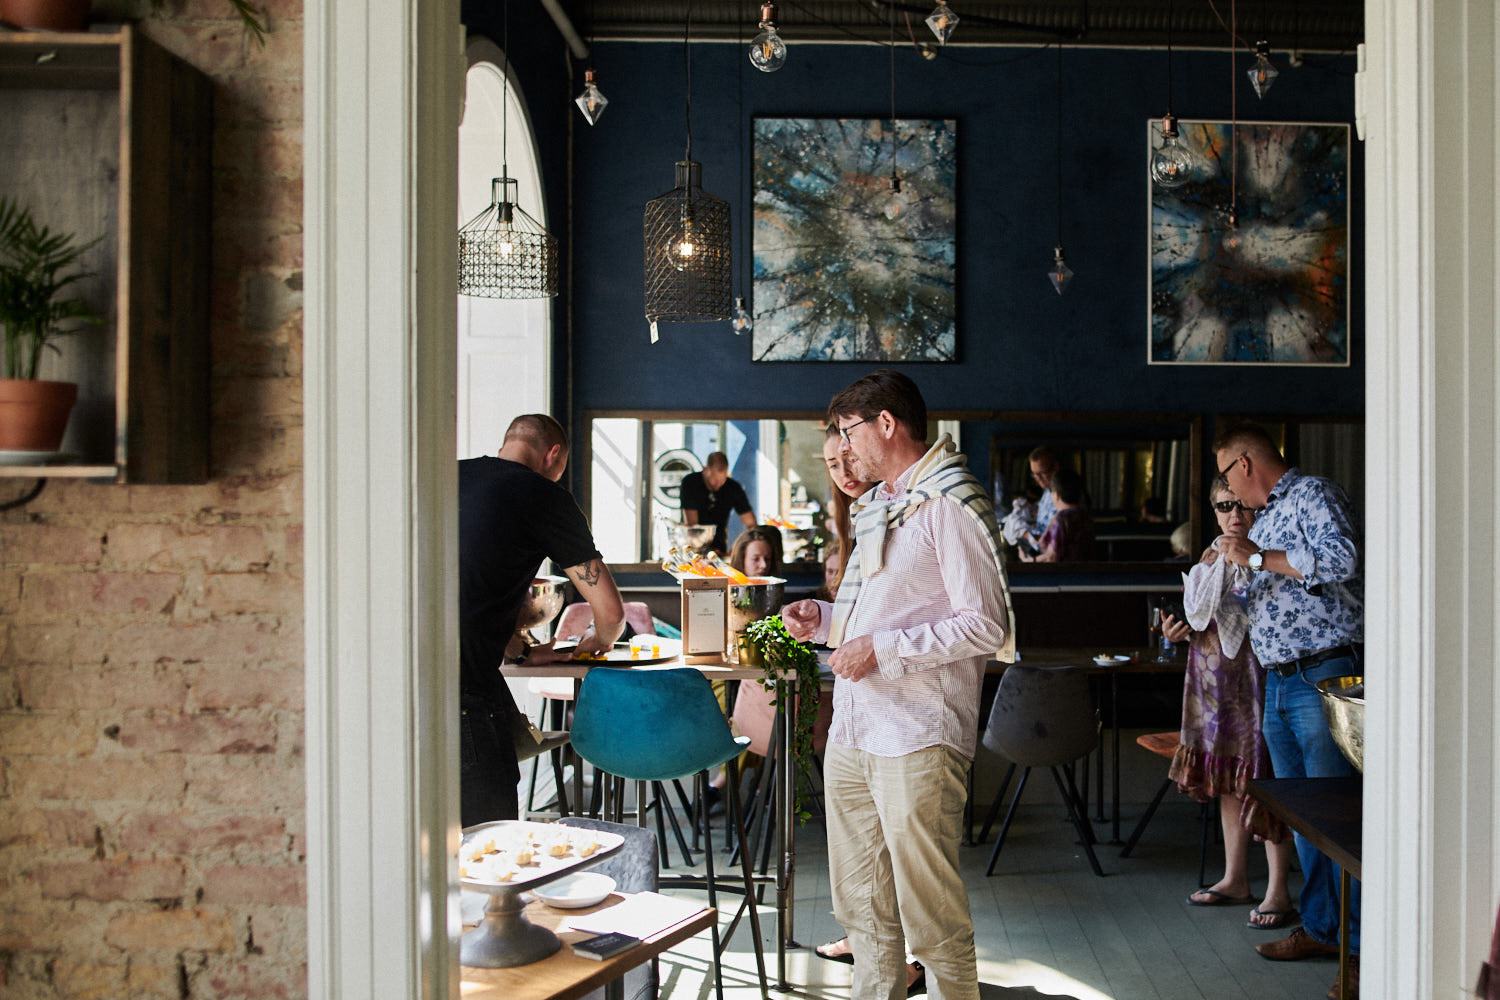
(151,764)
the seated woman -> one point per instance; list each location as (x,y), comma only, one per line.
(757,551)
(1070,536)
(1221,743)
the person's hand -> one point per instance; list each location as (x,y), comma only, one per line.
(1025,555)
(801,619)
(589,643)
(1237,549)
(854,659)
(1174,629)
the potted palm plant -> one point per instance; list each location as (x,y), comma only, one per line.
(36,267)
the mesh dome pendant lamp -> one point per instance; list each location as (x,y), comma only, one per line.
(503,253)
(687,240)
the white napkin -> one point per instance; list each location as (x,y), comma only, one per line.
(1212,591)
(1018,523)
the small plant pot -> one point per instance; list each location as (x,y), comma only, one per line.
(46,15)
(34,414)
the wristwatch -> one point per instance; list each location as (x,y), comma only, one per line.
(1257,561)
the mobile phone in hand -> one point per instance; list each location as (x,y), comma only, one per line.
(605,945)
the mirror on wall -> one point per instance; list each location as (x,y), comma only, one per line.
(1319,445)
(1137,478)
(636,463)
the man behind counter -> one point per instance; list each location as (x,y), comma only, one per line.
(708,496)
(511,516)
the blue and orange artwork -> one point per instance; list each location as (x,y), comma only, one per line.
(1250,258)
(848,266)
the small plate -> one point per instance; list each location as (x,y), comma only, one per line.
(661,650)
(574,892)
(1111,661)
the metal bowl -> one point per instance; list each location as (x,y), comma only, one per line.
(544,599)
(690,536)
(750,602)
(1344,705)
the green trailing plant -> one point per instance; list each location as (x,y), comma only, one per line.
(252,18)
(36,267)
(786,659)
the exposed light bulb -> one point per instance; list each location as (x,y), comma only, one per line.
(1171,164)
(1060,273)
(743,322)
(683,247)
(1262,74)
(767,50)
(591,102)
(504,220)
(942,21)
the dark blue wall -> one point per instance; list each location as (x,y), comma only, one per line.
(1020,345)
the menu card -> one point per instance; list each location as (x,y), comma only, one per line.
(641,915)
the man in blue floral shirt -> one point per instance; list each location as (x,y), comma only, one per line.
(1306,608)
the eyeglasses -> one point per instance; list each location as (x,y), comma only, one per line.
(1225,506)
(1225,471)
(844,431)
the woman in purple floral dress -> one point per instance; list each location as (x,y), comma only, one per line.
(1221,737)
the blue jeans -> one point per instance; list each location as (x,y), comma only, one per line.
(1301,746)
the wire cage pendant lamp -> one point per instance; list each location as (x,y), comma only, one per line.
(503,253)
(687,239)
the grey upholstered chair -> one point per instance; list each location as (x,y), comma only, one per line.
(1042,717)
(635,868)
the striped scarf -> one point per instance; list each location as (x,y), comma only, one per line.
(942,473)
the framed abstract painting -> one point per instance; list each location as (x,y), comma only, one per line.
(846,268)
(1272,289)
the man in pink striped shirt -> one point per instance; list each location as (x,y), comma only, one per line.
(923,605)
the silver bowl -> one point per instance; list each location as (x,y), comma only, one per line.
(690,536)
(750,602)
(544,599)
(1344,706)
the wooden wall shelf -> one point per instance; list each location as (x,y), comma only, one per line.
(108,133)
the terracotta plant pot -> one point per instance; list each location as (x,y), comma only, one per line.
(34,414)
(46,15)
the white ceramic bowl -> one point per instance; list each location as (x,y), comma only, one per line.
(576,891)
(1111,661)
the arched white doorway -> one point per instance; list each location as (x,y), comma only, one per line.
(504,345)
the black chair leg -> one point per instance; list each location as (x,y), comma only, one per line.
(737,820)
(1140,828)
(1010,814)
(995,806)
(1084,833)
(1079,805)
(700,794)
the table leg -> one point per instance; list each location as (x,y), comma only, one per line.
(578,806)
(1098,784)
(1343,933)
(1114,764)
(784,871)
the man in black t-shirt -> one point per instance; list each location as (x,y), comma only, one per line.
(708,496)
(511,516)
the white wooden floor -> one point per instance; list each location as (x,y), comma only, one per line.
(1046,926)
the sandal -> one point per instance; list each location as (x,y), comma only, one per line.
(1217,898)
(847,957)
(1279,919)
(919,985)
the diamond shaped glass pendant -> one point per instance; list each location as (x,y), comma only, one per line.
(591,102)
(1262,74)
(1060,273)
(942,21)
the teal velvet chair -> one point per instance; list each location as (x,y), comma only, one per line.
(646,724)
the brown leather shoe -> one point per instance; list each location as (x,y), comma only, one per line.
(1298,945)
(1333,991)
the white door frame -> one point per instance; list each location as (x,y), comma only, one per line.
(383,80)
(382,83)
(1431,447)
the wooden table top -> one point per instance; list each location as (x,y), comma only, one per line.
(1141,661)
(565,976)
(718,671)
(1327,811)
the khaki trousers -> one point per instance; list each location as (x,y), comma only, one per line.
(894,826)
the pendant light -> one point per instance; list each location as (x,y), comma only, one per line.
(1060,274)
(741,321)
(687,239)
(942,21)
(767,49)
(1171,166)
(503,253)
(895,203)
(591,101)
(1262,75)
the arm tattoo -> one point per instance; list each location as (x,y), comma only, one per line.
(590,572)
